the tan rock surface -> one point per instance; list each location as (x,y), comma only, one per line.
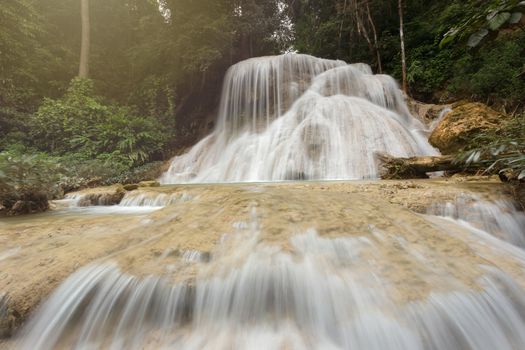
(47,248)
(465,121)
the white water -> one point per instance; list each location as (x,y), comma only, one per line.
(325,294)
(134,202)
(499,218)
(300,117)
(440,118)
(72,207)
(151,199)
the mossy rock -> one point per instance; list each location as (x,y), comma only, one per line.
(465,121)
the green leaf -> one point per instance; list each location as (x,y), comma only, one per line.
(515,17)
(496,21)
(449,37)
(477,37)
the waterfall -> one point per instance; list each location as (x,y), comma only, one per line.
(295,117)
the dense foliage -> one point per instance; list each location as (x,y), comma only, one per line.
(500,151)
(441,64)
(155,69)
(26,182)
(80,123)
(28,178)
(160,59)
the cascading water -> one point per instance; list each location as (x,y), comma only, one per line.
(152,199)
(499,218)
(299,117)
(320,293)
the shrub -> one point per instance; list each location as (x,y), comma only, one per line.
(82,173)
(499,151)
(80,123)
(29,179)
(27,182)
(146,172)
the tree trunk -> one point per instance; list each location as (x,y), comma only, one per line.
(341,25)
(376,45)
(83,70)
(359,15)
(418,167)
(402,39)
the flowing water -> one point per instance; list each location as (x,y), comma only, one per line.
(500,218)
(299,117)
(294,265)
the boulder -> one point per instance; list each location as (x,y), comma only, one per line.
(463,122)
(149,184)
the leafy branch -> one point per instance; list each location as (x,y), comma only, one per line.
(490,18)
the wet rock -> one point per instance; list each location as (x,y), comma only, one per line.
(516,189)
(519,194)
(110,195)
(149,184)
(465,121)
(8,317)
(131,187)
(295,176)
(425,112)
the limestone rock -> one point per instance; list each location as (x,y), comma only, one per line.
(466,120)
(149,184)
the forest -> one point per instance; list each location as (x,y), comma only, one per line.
(147,83)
